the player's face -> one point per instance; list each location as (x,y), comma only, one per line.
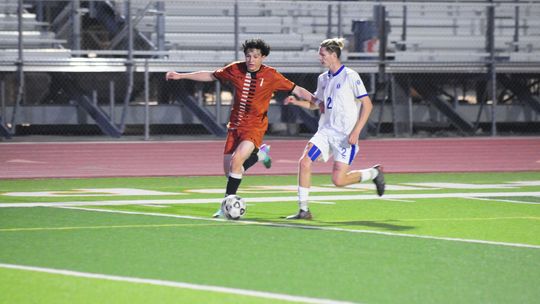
(254,59)
(326,58)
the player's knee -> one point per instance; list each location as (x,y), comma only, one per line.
(235,159)
(305,163)
(338,181)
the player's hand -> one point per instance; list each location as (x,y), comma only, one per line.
(171,75)
(353,137)
(321,107)
(289,100)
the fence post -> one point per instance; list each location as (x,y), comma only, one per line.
(490,47)
(146,102)
(339,21)
(160,26)
(111,100)
(3,98)
(236,31)
(218,101)
(329,20)
(129,66)
(516,28)
(76,23)
(20,66)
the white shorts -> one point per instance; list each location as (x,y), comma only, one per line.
(326,144)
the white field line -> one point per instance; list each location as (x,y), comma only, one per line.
(271,199)
(315,228)
(398,200)
(127,142)
(243,292)
(505,201)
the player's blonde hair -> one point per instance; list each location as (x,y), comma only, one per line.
(334,45)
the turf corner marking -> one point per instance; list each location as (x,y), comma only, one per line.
(228,290)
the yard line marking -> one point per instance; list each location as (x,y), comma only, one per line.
(101,227)
(322,203)
(397,200)
(313,227)
(271,199)
(228,290)
(534,218)
(505,201)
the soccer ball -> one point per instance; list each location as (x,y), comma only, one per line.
(234,207)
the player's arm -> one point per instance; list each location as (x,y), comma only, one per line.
(365,111)
(307,100)
(197,76)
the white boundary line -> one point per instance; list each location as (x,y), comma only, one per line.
(505,201)
(86,142)
(237,291)
(312,227)
(272,199)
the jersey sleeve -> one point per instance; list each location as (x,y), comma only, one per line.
(226,73)
(281,83)
(357,85)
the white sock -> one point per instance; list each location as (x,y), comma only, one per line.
(303,195)
(368,174)
(235,175)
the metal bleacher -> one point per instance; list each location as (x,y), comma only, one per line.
(38,41)
(210,26)
(454,31)
(425,39)
(36,34)
(434,31)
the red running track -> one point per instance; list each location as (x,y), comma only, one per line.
(191,158)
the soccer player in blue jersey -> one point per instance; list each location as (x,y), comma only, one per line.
(345,107)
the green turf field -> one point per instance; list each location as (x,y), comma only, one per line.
(433,238)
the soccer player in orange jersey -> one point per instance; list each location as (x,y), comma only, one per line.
(254,85)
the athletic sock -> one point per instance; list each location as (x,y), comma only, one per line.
(303,195)
(252,160)
(233,182)
(368,174)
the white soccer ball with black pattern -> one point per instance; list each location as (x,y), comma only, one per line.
(234,207)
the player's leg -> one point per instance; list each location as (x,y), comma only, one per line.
(227,164)
(343,176)
(232,165)
(311,154)
(261,154)
(242,152)
(226,169)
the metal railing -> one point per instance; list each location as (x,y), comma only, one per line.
(122,48)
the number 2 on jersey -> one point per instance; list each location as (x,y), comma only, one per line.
(329,103)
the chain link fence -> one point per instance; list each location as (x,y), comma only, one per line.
(432,68)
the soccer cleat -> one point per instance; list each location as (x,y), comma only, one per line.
(301,215)
(218,213)
(267,161)
(379,180)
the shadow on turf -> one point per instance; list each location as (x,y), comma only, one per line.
(374,224)
(357,224)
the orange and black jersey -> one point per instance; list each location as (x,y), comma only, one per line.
(253,91)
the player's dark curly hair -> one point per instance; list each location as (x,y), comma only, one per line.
(256,44)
